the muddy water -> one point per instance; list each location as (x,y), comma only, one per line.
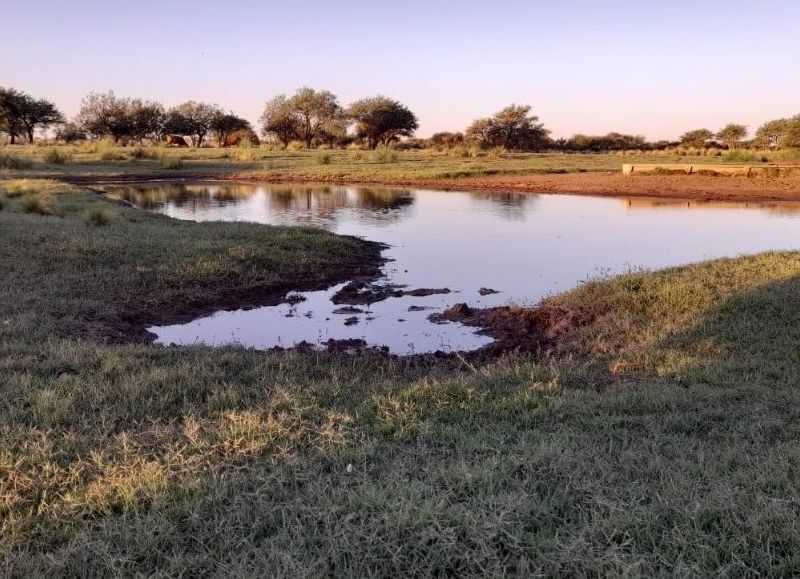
(523,246)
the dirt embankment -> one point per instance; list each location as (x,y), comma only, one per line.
(608,184)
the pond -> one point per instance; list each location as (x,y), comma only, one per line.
(522,246)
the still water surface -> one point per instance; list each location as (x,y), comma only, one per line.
(523,246)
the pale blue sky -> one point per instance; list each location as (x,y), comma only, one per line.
(590,66)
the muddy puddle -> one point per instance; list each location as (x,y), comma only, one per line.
(445,248)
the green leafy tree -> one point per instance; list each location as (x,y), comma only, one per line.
(227,124)
(10,122)
(380,120)
(313,110)
(192,118)
(278,120)
(791,136)
(38,113)
(770,133)
(513,128)
(120,118)
(70,132)
(105,115)
(732,135)
(696,138)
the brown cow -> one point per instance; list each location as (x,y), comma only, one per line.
(176,141)
(232,140)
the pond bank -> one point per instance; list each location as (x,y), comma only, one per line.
(605,184)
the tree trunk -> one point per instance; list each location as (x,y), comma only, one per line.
(13,138)
(30,133)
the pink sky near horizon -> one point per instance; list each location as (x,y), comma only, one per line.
(590,67)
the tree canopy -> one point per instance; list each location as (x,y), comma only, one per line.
(696,138)
(21,113)
(380,120)
(120,118)
(227,124)
(513,128)
(732,135)
(192,118)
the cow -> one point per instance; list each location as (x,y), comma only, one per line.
(176,141)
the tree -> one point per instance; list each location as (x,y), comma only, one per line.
(791,137)
(70,132)
(10,122)
(446,139)
(38,113)
(311,111)
(770,133)
(278,120)
(732,135)
(225,125)
(513,128)
(120,118)
(105,115)
(192,118)
(380,120)
(696,138)
(147,120)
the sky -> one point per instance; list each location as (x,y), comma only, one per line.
(589,66)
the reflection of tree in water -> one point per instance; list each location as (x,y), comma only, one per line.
(300,204)
(319,204)
(510,206)
(181,195)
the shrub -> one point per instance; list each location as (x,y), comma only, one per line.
(111,156)
(170,163)
(98,217)
(791,155)
(384,155)
(55,157)
(459,151)
(36,204)
(661,171)
(324,159)
(295,146)
(496,152)
(145,153)
(14,163)
(739,156)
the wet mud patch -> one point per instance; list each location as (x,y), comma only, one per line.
(362,292)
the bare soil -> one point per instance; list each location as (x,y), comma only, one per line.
(612,184)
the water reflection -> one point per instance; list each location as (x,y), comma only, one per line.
(525,246)
(296,204)
(650,203)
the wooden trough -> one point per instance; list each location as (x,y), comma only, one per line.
(771,170)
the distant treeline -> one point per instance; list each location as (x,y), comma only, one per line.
(311,118)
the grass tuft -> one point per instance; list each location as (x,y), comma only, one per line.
(39,204)
(170,163)
(13,163)
(98,217)
(384,155)
(54,156)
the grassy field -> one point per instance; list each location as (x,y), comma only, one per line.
(100,159)
(659,436)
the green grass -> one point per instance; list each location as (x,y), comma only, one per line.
(106,160)
(657,438)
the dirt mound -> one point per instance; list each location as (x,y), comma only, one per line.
(515,328)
